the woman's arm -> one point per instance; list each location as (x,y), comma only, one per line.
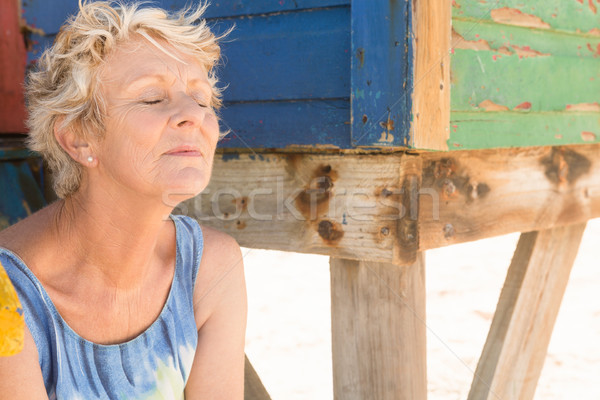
(20,375)
(220,306)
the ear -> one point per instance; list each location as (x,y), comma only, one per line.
(78,148)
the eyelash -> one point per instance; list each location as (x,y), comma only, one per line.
(152,102)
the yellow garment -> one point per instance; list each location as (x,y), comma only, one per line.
(12,324)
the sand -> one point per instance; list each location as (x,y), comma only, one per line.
(289,329)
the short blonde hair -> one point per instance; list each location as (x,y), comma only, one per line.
(65,85)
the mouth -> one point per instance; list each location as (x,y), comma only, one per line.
(184,151)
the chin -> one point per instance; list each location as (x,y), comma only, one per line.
(184,186)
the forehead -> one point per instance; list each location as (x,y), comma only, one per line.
(139,57)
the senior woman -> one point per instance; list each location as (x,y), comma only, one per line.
(121,299)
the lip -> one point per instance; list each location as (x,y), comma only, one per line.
(184,151)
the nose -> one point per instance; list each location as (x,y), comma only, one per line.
(186,112)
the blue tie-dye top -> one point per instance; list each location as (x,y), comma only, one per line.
(154,365)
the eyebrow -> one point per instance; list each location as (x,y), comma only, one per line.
(140,80)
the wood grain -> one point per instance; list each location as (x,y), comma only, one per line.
(378,330)
(431,88)
(253,386)
(346,206)
(535,63)
(12,69)
(264,200)
(479,194)
(381,73)
(515,350)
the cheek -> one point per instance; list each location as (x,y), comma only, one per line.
(211,127)
(135,137)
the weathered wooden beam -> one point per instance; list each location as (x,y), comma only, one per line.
(431,86)
(359,206)
(253,386)
(345,206)
(487,193)
(515,350)
(378,330)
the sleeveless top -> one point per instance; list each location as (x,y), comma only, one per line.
(154,365)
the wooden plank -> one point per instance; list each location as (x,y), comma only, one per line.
(347,206)
(12,69)
(477,194)
(485,130)
(285,124)
(573,16)
(515,350)
(540,83)
(381,73)
(431,91)
(525,42)
(530,57)
(253,386)
(229,8)
(378,330)
(50,15)
(280,57)
(358,200)
(20,195)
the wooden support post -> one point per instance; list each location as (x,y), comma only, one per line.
(378,330)
(253,387)
(514,353)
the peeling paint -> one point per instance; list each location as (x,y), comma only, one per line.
(387,125)
(527,52)
(594,107)
(596,51)
(459,42)
(588,136)
(386,137)
(512,16)
(592,6)
(488,105)
(360,54)
(524,106)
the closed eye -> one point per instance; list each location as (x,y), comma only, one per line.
(150,102)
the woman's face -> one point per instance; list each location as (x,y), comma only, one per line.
(161,132)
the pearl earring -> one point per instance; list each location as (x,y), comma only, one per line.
(90,159)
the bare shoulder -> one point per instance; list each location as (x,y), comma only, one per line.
(19,237)
(221,251)
(221,272)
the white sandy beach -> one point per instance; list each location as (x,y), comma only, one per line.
(289,341)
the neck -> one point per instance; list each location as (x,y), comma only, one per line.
(116,238)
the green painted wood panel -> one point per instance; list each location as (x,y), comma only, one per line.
(530,85)
(566,15)
(546,83)
(483,130)
(500,38)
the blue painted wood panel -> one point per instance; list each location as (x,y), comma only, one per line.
(299,55)
(49,15)
(229,8)
(381,73)
(284,123)
(315,72)
(20,194)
